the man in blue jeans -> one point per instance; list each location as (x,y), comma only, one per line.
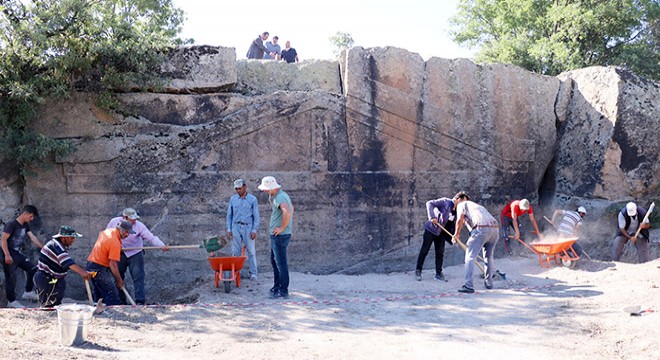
(280,230)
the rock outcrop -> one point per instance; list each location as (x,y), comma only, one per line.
(359,154)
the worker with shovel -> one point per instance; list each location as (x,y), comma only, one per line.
(633,221)
(54,263)
(440,213)
(484,234)
(104,260)
(133,260)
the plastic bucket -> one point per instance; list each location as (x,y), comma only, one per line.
(74,319)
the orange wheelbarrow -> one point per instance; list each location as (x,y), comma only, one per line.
(228,269)
(561,251)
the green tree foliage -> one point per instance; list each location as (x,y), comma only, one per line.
(554,36)
(341,41)
(49,48)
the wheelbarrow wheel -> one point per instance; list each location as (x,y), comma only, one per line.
(569,263)
(227,275)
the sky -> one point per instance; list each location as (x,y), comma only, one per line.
(420,26)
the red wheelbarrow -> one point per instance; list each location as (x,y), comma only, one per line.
(559,250)
(228,269)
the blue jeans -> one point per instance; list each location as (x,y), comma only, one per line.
(480,238)
(20,261)
(50,290)
(135,264)
(104,284)
(240,235)
(278,245)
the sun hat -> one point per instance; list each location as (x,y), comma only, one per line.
(238,183)
(130,213)
(269,183)
(66,231)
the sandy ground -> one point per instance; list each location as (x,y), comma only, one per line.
(535,313)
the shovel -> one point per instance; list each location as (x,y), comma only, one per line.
(128,296)
(210,245)
(460,243)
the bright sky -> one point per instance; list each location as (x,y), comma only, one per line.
(419,26)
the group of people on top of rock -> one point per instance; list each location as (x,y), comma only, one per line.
(271,50)
(446,217)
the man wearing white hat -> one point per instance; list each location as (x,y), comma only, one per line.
(571,222)
(629,220)
(280,229)
(133,260)
(242,224)
(509,218)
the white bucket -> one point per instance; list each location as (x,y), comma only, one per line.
(74,320)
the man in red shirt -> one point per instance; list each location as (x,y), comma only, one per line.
(104,261)
(509,218)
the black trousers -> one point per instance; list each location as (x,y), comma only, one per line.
(439,245)
(20,262)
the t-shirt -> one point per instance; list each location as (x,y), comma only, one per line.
(54,259)
(107,247)
(17,233)
(569,221)
(276,217)
(289,55)
(475,214)
(516,207)
(272,48)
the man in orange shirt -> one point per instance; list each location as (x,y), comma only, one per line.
(104,261)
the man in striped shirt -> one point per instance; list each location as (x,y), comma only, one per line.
(570,224)
(54,262)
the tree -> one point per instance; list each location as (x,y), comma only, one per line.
(554,36)
(341,41)
(49,48)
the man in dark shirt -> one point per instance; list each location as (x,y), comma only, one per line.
(13,237)
(289,54)
(54,262)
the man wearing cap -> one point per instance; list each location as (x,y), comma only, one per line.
(103,263)
(571,222)
(242,224)
(629,220)
(280,230)
(509,219)
(54,262)
(483,237)
(13,237)
(133,260)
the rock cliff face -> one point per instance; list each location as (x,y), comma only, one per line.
(359,154)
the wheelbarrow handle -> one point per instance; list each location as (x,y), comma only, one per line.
(161,247)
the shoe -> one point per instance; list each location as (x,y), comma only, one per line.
(418,275)
(488,285)
(30,296)
(279,295)
(440,277)
(15,304)
(274,289)
(253,277)
(466,290)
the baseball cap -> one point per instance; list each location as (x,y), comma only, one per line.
(524,204)
(130,213)
(126,225)
(631,208)
(238,183)
(581,209)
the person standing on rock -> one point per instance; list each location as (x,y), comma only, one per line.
(280,229)
(242,224)
(629,219)
(103,263)
(509,219)
(133,260)
(273,49)
(484,234)
(439,212)
(257,47)
(289,54)
(54,263)
(13,237)
(571,222)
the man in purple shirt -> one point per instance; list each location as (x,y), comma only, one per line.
(439,212)
(134,259)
